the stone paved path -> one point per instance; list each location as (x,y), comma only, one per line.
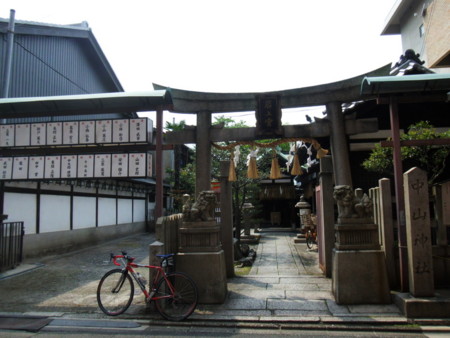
(286,284)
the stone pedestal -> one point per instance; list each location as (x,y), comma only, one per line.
(201,256)
(359,267)
(358,277)
(207,269)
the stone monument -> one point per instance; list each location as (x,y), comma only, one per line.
(200,251)
(359,267)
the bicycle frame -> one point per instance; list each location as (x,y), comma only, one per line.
(127,264)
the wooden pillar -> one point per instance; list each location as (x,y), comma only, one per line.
(159,194)
(203,156)
(400,199)
(339,146)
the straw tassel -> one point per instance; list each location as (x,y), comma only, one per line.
(275,168)
(252,171)
(320,151)
(232,171)
(296,168)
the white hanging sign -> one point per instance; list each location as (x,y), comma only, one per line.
(102,165)
(52,167)
(36,166)
(87,132)
(149,165)
(85,166)
(121,132)
(70,132)
(103,131)
(20,168)
(69,166)
(140,130)
(7,135)
(23,135)
(54,133)
(6,168)
(137,165)
(119,166)
(38,132)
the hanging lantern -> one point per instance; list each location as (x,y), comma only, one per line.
(252,171)
(275,168)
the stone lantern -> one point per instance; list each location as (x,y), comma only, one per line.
(304,213)
(247,217)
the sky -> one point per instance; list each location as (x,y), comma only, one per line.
(229,46)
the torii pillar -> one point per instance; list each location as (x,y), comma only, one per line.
(203,147)
(339,145)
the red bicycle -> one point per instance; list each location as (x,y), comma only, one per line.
(174,293)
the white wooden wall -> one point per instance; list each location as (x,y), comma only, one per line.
(54,209)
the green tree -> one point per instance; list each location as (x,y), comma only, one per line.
(245,190)
(181,179)
(430,158)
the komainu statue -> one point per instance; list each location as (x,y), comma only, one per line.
(352,204)
(202,209)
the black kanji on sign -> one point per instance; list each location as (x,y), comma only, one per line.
(268,116)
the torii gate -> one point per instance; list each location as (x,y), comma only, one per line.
(332,95)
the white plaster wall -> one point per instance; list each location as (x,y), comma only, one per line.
(139,211)
(83,212)
(55,213)
(106,211)
(21,208)
(125,211)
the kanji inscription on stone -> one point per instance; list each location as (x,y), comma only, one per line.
(418,233)
(268,115)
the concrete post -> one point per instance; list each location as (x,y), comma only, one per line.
(418,233)
(326,216)
(226,217)
(339,146)
(387,226)
(203,148)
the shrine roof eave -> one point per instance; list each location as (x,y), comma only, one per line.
(191,102)
(103,103)
(415,84)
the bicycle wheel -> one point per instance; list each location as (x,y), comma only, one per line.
(115,292)
(309,240)
(180,303)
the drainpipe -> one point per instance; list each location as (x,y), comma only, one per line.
(9,55)
(6,81)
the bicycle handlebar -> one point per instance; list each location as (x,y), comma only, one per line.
(124,255)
